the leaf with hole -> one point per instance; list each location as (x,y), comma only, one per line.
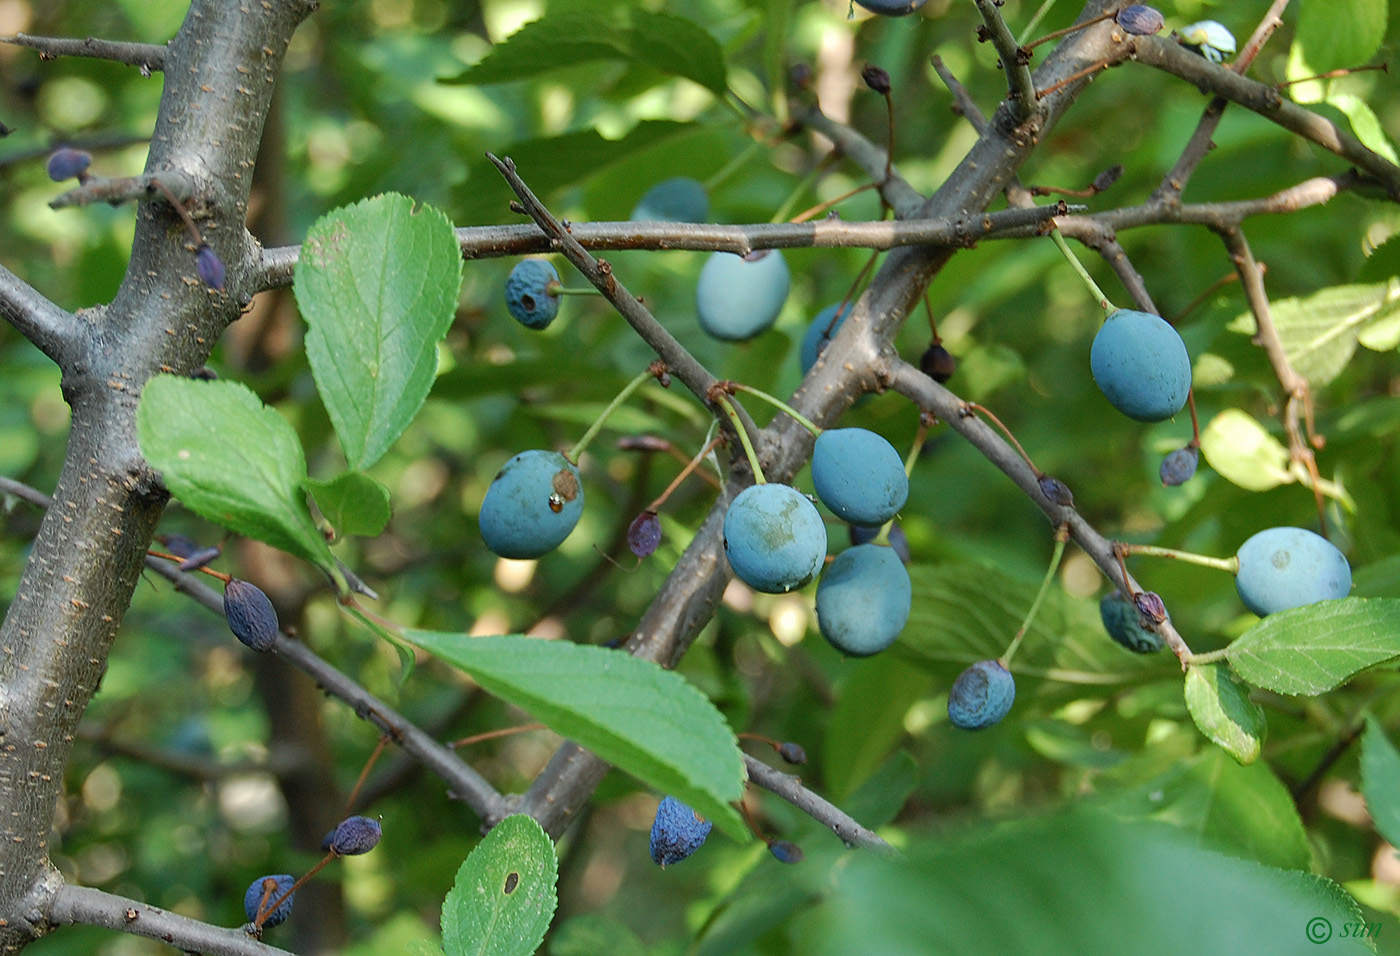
(504,897)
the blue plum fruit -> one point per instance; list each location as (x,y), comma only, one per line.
(863,600)
(1141,366)
(680,199)
(739,297)
(528,297)
(1282,568)
(859,475)
(981,696)
(774,538)
(1124,624)
(533,503)
(677,832)
(819,334)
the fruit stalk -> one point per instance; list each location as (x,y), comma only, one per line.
(727,405)
(1061,536)
(652,371)
(1083,273)
(1230,564)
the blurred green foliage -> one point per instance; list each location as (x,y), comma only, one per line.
(181,790)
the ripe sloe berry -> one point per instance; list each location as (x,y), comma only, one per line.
(859,475)
(863,600)
(1283,568)
(938,363)
(677,832)
(528,298)
(739,297)
(644,534)
(680,199)
(981,696)
(1178,467)
(774,538)
(66,162)
(891,8)
(532,504)
(1124,624)
(1140,364)
(258,891)
(250,615)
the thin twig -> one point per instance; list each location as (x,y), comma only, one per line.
(1014,61)
(790,789)
(54,331)
(148,57)
(125,189)
(82,905)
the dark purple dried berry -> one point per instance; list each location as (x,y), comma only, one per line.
(250,615)
(898,539)
(877,79)
(791,752)
(1150,607)
(642,443)
(353,836)
(800,76)
(205,374)
(677,832)
(66,163)
(1178,467)
(1108,177)
(210,267)
(938,363)
(1141,20)
(786,852)
(1056,491)
(644,534)
(198,559)
(263,892)
(179,545)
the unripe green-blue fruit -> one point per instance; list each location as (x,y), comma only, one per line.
(1282,568)
(528,298)
(859,475)
(819,334)
(1141,366)
(863,600)
(738,297)
(981,696)
(1124,624)
(677,832)
(533,503)
(774,538)
(679,199)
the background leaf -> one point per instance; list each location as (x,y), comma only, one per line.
(1222,710)
(353,502)
(1319,331)
(377,284)
(504,896)
(232,460)
(1310,650)
(1380,780)
(1243,452)
(650,722)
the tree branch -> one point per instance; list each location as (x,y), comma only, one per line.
(790,788)
(54,331)
(1014,62)
(126,189)
(147,56)
(81,905)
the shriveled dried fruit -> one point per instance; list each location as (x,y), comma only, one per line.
(1178,467)
(263,892)
(65,163)
(353,836)
(250,615)
(644,534)
(938,363)
(210,267)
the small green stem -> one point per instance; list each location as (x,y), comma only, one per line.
(1209,657)
(558,288)
(1083,273)
(1061,536)
(920,436)
(793,413)
(801,189)
(1231,564)
(1029,31)
(579,447)
(727,404)
(733,166)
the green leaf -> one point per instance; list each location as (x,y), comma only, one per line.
(421,947)
(377,284)
(1380,780)
(661,41)
(1335,34)
(1364,123)
(232,460)
(1070,884)
(1243,452)
(868,719)
(1244,811)
(1319,332)
(504,896)
(650,722)
(1310,650)
(353,502)
(592,933)
(1221,708)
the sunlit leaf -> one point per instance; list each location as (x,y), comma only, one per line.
(1310,650)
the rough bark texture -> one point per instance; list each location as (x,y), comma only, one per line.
(220,73)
